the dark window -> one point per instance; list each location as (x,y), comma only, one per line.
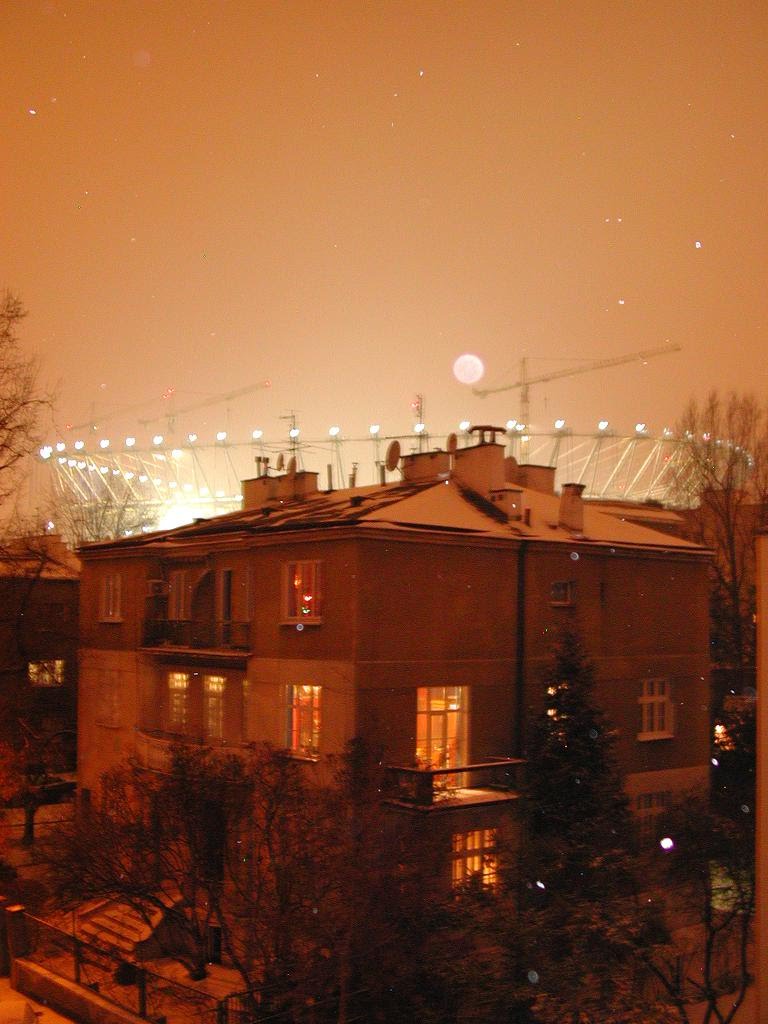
(562,592)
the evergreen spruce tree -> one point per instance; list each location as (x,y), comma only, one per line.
(579,919)
(579,827)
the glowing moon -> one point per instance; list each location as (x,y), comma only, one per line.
(468,369)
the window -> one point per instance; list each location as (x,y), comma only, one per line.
(304,720)
(179,596)
(213,707)
(178,694)
(225,595)
(655,710)
(475,860)
(302,592)
(108,702)
(46,673)
(648,806)
(110,608)
(441,726)
(562,593)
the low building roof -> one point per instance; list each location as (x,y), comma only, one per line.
(438,507)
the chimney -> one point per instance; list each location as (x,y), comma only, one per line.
(571,513)
(258,491)
(263,489)
(296,485)
(509,500)
(426,466)
(480,467)
(536,478)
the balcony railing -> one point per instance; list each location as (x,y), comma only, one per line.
(497,779)
(195,635)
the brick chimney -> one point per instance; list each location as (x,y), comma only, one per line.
(510,500)
(258,491)
(289,487)
(426,466)
(571,513)
(480,467)
(536,478)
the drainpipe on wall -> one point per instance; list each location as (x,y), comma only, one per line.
(519,735)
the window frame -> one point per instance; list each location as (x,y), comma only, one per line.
(656,710)
(46,673)
(172,722)
(111,597)
(648,807)
(569,598)
(179,596)
(214,699)
(290,607)
(475,858)
(427,716)
(297,713)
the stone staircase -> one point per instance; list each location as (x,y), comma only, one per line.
(118,927)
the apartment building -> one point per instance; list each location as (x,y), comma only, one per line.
(39,596)
(418,614)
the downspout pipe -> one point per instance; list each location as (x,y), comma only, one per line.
(519,730)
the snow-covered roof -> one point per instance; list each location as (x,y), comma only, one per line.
(436,506)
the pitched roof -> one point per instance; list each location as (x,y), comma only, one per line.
(438,507)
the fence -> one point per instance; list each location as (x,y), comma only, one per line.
(127,985)
(157,998)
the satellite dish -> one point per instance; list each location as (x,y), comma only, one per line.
(291,467)
(280,464)
(393,455)
(451,444)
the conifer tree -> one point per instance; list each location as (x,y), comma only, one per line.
(578,823)
(579,920)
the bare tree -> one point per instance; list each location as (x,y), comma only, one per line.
(219,841)
(709,883)
(85,520)
(725,475)
(21,401)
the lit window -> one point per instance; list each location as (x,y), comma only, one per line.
(46,673)
(655,710)
(179,596)
(562,592)
(441,726)
(213,707)
(178,693)
(648,806)
(110,607)
(475,859)
(304,720)
(302,592)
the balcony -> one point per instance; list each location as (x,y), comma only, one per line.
(153,746)
(164,635)
(153,750)
(494,781)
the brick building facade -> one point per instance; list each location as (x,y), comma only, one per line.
(419,614)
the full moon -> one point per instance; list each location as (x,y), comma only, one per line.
(468,369)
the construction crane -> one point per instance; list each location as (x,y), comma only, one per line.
(524,383)
(96,422)
(213,400)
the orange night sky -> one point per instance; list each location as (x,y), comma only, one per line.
(343,197)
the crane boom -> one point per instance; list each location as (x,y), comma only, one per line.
(596,364)
(214,400)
